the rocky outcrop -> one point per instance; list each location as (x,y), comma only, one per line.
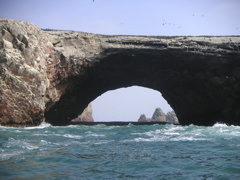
(53,75)
(35,74)
(160,116)
(142,118)
(25,55)
(171,117)
(86,116)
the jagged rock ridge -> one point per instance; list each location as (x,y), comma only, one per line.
(160,116)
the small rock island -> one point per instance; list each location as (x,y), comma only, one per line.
(160,116)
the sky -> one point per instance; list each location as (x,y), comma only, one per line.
(129,17)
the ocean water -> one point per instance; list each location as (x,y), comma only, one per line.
(120,152)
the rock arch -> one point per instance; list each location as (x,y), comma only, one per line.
(198,76)
(197,85)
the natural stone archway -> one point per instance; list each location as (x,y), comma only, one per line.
(197,86)
(60,72)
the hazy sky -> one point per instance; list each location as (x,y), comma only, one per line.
(136,17)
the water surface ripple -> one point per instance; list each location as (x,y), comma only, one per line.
(120,152)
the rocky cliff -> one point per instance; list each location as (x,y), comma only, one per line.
(34,74)
(25,56)
(53,75)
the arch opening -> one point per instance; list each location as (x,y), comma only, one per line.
(128,104)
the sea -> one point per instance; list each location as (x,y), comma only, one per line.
(142,152)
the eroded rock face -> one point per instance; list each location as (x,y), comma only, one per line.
(54,75)
(25,52)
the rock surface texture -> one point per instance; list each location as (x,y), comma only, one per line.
(53,75)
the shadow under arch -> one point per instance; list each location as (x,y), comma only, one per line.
(186,81)
(127,104)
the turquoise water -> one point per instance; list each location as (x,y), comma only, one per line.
(126,152)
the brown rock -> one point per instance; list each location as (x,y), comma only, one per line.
(24,52)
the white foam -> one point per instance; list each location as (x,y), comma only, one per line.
(103,142)
(165,138)
(25,145)
(12,143)
(72,136)
(185,138)
(41,126)
(220,125)
(29,146)
(7,155)
(42,134)
(43,142)
(6,127)
(172,133)
(95,135)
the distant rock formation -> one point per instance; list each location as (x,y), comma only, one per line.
(86,116)
(142,118)
(160,116)
(171,117)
